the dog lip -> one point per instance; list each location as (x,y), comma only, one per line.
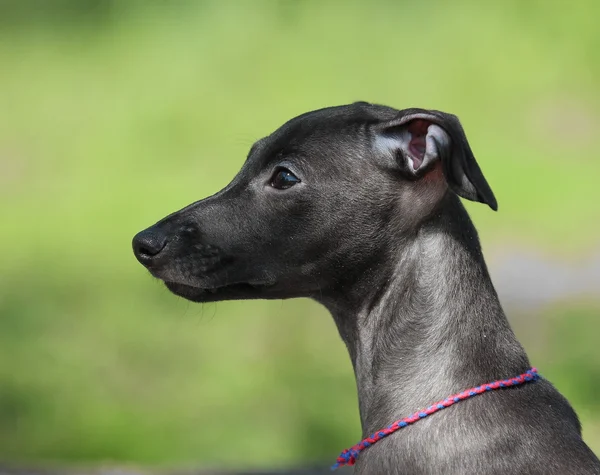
(214,290)
(226,292)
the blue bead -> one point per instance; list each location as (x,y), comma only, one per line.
(402,424)
(422,414)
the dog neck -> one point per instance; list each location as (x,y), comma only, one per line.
(434,327)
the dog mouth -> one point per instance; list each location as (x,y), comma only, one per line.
(225,292)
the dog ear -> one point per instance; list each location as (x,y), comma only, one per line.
(420,138)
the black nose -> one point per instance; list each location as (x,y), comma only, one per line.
(148,244)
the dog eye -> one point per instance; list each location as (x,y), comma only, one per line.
(283,179)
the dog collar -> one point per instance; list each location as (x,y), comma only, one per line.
(348,456)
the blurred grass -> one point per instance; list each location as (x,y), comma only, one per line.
(115,118)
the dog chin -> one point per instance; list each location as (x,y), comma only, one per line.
(228,292)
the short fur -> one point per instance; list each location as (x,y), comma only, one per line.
(375,231)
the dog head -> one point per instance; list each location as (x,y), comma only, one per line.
(319,202)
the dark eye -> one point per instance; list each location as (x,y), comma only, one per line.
(283,179)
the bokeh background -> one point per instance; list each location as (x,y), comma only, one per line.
(115,113)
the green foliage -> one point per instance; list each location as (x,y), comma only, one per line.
(112,120)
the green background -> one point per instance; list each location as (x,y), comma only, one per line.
(114,114)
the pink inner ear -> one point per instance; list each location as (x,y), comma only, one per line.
(416,147)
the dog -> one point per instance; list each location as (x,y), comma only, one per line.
(358,207)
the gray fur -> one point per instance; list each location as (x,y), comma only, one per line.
(375,231)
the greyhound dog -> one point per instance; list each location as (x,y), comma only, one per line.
(358,207)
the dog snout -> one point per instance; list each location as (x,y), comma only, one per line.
(148,245)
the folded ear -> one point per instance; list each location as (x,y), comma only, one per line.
(420,138)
